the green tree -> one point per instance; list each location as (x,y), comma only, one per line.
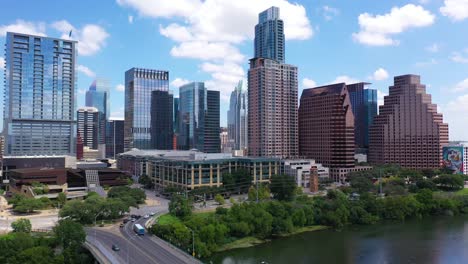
(36,255)
(22,225)
(282,187)
(180,206)
(361,183)
(450,182)
(219,199)
(61,199)
(27,205)
(146,181)
(263,193)
(69,234)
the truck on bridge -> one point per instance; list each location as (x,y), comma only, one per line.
(139,229)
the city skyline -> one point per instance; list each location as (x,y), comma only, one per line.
(422,37)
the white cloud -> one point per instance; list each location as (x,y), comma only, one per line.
(461,86)
(212,30)
(433,48)
(86,71)
(330,12)
(380,74)
(429,62)
(345,79)
(2,63)
(308,83)
(91,38)
(26,27)
(377,30)
(423,2)
(120,88)
(459,57)
(456,10)
(130,19)
(453,113)
(178,82)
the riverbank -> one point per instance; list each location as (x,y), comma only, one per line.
(247,242)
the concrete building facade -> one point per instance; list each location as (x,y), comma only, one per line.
(408,130)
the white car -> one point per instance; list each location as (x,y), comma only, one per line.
(152,213)
(133,220)
(146,216)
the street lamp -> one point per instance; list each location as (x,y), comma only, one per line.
(193,241)
(95,218)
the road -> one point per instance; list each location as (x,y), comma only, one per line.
(134,248)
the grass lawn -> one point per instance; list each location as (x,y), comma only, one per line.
(167,219)
(462,192)
(241,243)
(308,229)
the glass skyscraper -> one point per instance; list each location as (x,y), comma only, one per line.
(269,35)
(364,105)
(162,119)
(39,109)
(237,119)
(198,118)
(114,138)
(98,96)
(139,83)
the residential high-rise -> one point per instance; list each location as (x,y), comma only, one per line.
(88,126)
(272,109)
(272,93)
(326,128)
(364,105)
(39,99)
(269,35)
(114,138)
(98,96)
(408,130)
(139,83)
(237,120)
(162,120)
(198,118)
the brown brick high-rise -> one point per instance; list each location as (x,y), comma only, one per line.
(326,127)
(272,109)
(408,130)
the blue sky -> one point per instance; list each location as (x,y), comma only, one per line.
(211,41)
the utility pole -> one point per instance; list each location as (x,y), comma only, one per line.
(256,186)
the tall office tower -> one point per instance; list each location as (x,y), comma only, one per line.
(39,99)
(98,96)
(408,130)
(212,142)
(272,93)
(162,129)
(269,35)
(326,126)
(237,119)
(175,123)
(114,138)
(364,105)
(88,126)
(139,83)
(198,118)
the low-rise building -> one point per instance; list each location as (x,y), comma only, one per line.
(455,157)
(303,169)
(192,169)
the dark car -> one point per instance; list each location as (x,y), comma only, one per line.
(126,220)
(115,247)
(122,225)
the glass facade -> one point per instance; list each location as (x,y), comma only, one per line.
(39,109)
(198,118)
(269,36)
(139,83)
(161,119)
(88,126)
(114,138)
(364,105)
(98,96)
(237,118)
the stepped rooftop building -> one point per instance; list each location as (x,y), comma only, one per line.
(408,130)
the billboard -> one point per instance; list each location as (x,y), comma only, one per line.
(453,159)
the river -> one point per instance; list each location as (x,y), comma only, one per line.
(431,240)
